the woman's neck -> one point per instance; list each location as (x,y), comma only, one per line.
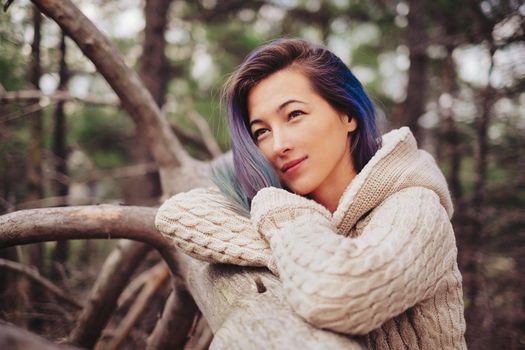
(330,192)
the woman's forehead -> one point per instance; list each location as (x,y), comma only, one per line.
(277,91)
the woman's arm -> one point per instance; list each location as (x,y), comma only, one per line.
(353,285)
(201,223)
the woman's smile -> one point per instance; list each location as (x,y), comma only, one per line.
(292,167)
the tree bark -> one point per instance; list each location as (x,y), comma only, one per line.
(153,72)
(241,317)
(34,173)
(171,330)
(417,41)
(61,252)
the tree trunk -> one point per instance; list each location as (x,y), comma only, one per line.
(34,174)
(477,314)
(153,72)
(414,105)
(61,252)
(451,132)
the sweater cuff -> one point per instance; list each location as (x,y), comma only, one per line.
(272,208)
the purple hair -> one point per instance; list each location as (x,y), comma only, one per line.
(330,78)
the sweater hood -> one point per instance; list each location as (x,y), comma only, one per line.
(398,164)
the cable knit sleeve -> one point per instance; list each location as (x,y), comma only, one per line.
(354,285)
(202,224)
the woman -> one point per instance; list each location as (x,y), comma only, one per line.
(357,228)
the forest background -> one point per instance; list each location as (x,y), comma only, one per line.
(452,70)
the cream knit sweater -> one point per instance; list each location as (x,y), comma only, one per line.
(382,266)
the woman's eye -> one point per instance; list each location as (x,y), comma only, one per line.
(295,114)
(258,133)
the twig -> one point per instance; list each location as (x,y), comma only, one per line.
(136,285)
(32,108)
(159,275)
(7,4)
(176,322)
(12,337)
(34,275)
(205,131)
(63,96)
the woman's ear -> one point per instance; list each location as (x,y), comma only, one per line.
(350,123)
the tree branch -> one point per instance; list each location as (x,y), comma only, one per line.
(135,98)
(12,337)
(34,275)
(62,96)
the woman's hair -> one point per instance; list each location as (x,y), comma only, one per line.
(329,77)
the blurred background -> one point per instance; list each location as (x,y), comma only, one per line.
(453,70)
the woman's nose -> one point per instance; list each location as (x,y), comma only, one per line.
(281,142)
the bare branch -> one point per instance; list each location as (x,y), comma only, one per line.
(7,4)
(12,337)
(172,328)
(63,96)
(158,276)
(205,131)
(201,336)
(82,222)
(136,285)
(34,275)
(113,277)
(135,98)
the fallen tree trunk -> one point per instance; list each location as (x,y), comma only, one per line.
(238,314)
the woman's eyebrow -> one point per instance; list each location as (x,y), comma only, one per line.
(281,106)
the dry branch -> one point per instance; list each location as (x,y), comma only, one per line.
(100,221)
(158,276)
(14,338)
(172,328)
(205,131)
(135,286)
(113,277)
(35,276)
(135,98)
(59,96)
(201,336)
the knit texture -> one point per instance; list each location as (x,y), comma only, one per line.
(383,266)
(201,223)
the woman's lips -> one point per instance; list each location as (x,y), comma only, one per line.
(292,165)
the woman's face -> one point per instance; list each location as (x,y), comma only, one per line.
(303,137)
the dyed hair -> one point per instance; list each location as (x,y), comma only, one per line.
(330,78)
